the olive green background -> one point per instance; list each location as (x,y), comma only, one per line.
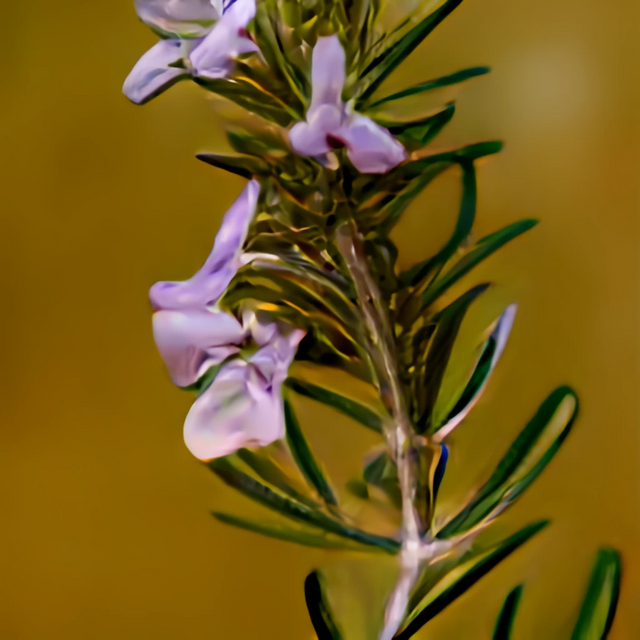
(105,527)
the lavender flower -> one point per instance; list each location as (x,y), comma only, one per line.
(243,405)
(200,38)
(333,124)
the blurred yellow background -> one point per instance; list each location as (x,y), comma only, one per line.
(106,531)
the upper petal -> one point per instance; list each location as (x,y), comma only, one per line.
(328,71)
(238,410)
(209,283)
(180,18)
(191,342)
(275,358)
(213,57)
(370,147)
(152,74)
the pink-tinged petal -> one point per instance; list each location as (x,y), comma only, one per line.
(214,56)
(153,74)
(191,342)
(209,283)
(328,72)
(274,359)
(238,410)
(180,18)
(370,147)
(311,138)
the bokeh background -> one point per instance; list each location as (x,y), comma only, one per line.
(105,527)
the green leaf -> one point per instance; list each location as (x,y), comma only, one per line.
(273,474)
(419,132)
(272,48)
(454,78)
(601,600)
(504,624)
(305,537)
(532,450)
(292,509)
(319,609)
(485,247)
(304,457)
(466,217)
(381,472)
(429,378)
(359,412)
(248,94)
(426,603)
(491,352)
(388,60)
(244,166)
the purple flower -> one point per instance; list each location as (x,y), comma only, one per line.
(332,124)
(200,38)
(243,404)
(191,333)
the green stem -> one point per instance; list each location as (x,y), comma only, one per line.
(400,435)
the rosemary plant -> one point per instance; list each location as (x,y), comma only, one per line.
(303,268)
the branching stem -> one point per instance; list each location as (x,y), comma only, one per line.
(399,433)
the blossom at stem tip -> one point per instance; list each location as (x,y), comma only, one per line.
(201,38)
(332,124)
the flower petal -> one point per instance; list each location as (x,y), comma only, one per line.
(274,359)
(191,342)
(328,72)
(310,138)
(239,409)
(214,56)
(370,147)
(179,18)
(153,74)
(209,283)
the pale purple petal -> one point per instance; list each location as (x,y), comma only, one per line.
(328,72)
(238,410)
(179,18)
(274,359)
(205,287)
(213,57)
(152,74)
(370,147)
(310,138)
(190,342)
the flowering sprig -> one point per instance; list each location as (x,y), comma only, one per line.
(303,268)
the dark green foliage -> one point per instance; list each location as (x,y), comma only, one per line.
(243,166)
(532,450)
(319,609)
(359,412)
(292,509)
(430,370)
(431,602)
(504,624)
(454,78)
(304,457)
(601,599)
(483,249)
(379,69)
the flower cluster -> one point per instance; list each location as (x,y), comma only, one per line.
(303,266)
(240,405)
